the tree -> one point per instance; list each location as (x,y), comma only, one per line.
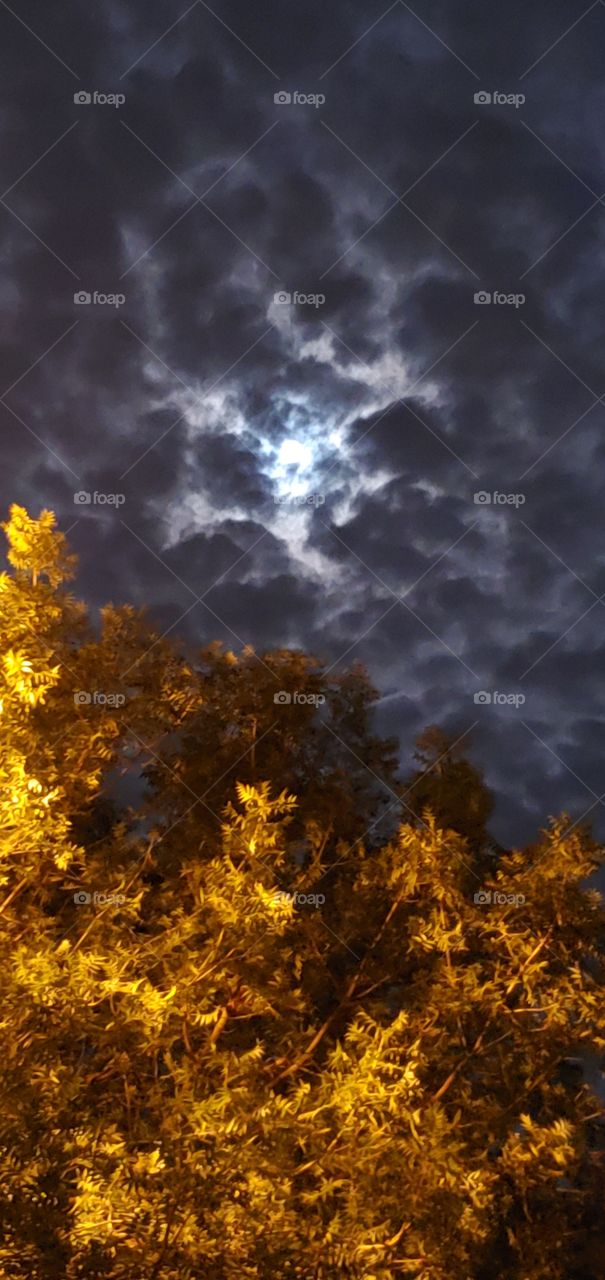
(275,715)
(357,1061)
(450,787)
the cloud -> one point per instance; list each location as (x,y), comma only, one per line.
(396,201)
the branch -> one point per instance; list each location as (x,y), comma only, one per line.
(162,1254)
(478,1046)
(219,1026)
(349,993)
(479,1041)
(13,894)
(99,915)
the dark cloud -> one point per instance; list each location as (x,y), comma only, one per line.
(382,212)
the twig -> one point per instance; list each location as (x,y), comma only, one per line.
(13,894)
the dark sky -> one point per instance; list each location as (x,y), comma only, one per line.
(390,395)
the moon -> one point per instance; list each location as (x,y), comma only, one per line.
(295,453)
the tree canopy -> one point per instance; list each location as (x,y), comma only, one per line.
(277,1016)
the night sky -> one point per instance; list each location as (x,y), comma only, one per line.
(308,467)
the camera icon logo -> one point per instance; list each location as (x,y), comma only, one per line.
(482,498)
(483,897)
(282,98)
(82,699)
(82,899)
(482,697)
(481,99)
(283,698)
(82,98)
(82,498)
(82,298)
(282,297)
(482,298)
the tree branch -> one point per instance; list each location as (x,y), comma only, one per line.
(14,893)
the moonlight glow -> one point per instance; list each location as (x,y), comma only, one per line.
(295,453)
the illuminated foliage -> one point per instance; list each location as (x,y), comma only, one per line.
(254,1044)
